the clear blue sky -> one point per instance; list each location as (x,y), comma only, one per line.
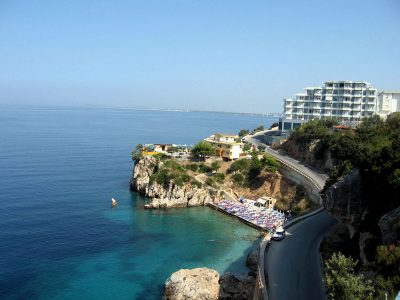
(192,54)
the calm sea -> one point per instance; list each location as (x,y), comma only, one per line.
(59,238)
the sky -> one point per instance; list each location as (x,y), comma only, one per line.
(241,56)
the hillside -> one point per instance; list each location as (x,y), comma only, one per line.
(363,191)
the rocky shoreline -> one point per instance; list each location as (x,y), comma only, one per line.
(171,195)
(204,283)
(198,283)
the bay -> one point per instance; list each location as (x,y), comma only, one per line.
(59,238)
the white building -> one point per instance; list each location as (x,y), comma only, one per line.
(346,101)
(226,145)
(388,102)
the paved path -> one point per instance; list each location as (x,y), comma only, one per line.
(293,265)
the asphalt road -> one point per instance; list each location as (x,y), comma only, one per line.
(293,265)
(318,177)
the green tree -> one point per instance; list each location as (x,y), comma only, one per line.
(271,163)
(203,149)
(219,177)
(215,165)
(342,282)
(261,148)
(136,154)
(246,148)
(243,132)
(274,125)
(255,169)
(240,165)
(237,178)
(259,128)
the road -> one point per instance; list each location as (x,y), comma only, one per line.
(293,265)
(319,178)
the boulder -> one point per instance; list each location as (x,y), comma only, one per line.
(236,287)
(199,283)
(252,260)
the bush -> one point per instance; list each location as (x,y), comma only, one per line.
(246,148)
(203,149)
(193,167)
(243,132)
(241,165)
(137,153)
(255,169)
(209,181)
(196,183)
(203,168)
(215,165)
(342,282)
(237,178)
(160,156)
(271,163)
(219,177)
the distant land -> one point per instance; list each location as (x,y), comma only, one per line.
(272,114)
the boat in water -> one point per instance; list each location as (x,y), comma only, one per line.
(114,202)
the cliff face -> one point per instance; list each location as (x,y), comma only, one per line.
(343,200)
(312,153)
(366,223)
(166,196)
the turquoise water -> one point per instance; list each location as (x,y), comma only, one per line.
(59,238)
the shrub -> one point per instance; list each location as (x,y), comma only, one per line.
(243,132)
(342,282)
(161,156)
(215,165)
(255,169)
(196,183)
(203,149)
(203,168)
(237,178)
(209,181)
(241,165)
(271,163)
(193,167)
(219,177)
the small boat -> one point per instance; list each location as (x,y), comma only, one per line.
(114,202)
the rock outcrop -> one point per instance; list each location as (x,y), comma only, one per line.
(389,225)
(343,200)
(167,196)
(366,224)
(203,283)
(199,283)
(252,260)
(236,287)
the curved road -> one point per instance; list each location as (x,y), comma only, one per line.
(293,265)
(318,177)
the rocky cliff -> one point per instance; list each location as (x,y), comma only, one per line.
(167,195)
(312,153)
(369,221)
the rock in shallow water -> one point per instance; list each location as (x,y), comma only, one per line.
(199,283)
(203,283)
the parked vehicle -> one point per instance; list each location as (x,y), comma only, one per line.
(279,234)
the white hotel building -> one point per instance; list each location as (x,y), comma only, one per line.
(346,101)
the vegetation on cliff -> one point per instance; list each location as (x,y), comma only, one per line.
(373,149)
(343,282)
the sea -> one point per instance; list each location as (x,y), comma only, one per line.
(59,236)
